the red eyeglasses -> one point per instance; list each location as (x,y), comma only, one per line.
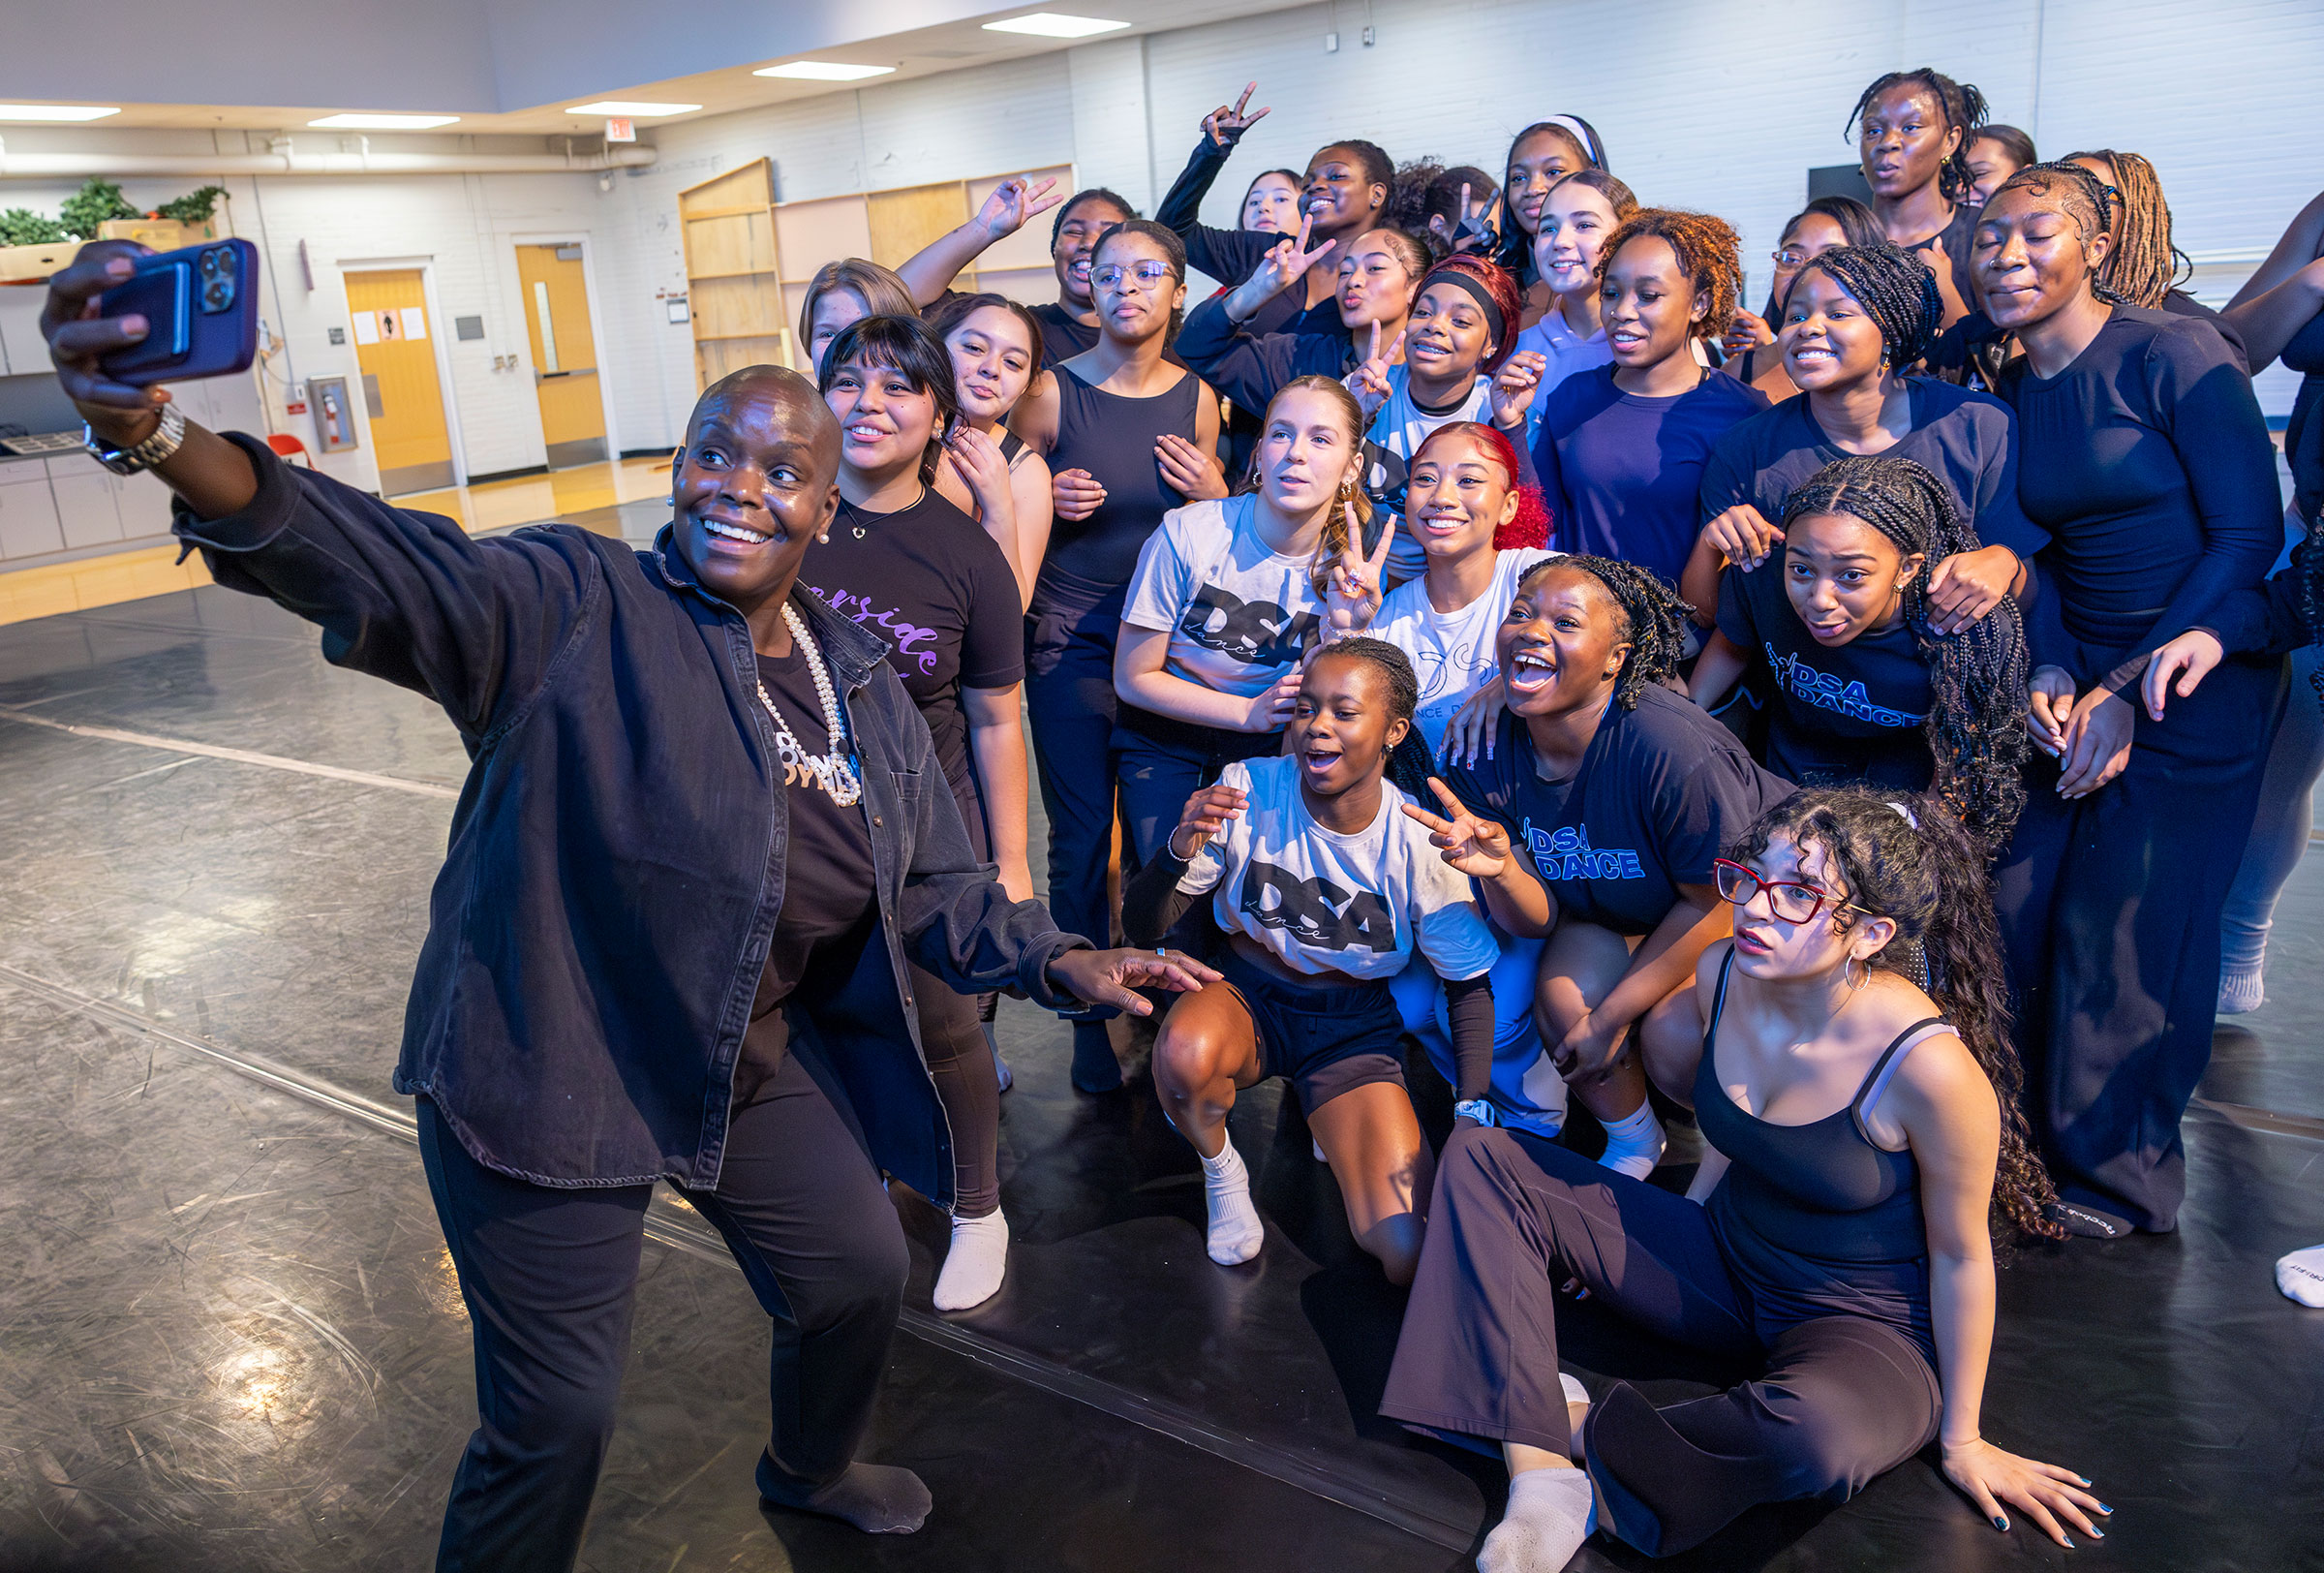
(1792,901)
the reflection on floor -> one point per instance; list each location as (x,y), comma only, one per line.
(90,582)
(499,504)
(232,1339)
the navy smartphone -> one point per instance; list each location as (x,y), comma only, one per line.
(201,305)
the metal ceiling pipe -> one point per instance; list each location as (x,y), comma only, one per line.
(192,166)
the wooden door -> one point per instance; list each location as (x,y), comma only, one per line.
(565,355)
(397,357)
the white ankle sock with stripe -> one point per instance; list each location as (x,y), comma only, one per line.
(1634,1143)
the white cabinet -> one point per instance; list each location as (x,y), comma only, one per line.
(21,347)
(86,505)
(28,524)
(144,502)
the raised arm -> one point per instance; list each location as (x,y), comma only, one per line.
(930,271)
(403,595)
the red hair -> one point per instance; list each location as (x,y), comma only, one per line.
(1495,283)
(1530,528)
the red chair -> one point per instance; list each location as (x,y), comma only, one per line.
(291,448)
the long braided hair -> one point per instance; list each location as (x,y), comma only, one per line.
(1904,857)
(1896,292)
(2144,264)
(2082,197)
(1977,726)
(1962,106)
(1654,618)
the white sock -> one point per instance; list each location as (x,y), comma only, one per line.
(2242,989)
(1634,1143)
(976,1263)
(1236,1232)
(1551,1513)
(2301,1275)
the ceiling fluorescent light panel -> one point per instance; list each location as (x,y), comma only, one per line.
(822,71)
(381,122)
(636,110)
(54,111)
(1055,24)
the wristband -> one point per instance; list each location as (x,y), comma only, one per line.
(1478,1109)
(1170,846)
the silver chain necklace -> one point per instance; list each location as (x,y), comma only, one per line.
(833,772)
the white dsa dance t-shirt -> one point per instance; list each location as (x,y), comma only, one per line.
(1236,612)
(1397,430)
(1317,900)
(1452,653)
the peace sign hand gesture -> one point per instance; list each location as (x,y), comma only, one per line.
(1353,599)
(1225,125)
(1012,202)
(1369,380)
(1290,260)
(1472,232)
(1474,847)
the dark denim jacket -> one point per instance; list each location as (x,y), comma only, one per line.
(616,864)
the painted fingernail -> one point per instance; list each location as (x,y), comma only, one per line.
(2066,1541)
(2102,1507)
(2001,1524)
(2097,1534)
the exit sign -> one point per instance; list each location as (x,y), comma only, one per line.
(620,129)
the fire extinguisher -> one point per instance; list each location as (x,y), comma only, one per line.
(334,428)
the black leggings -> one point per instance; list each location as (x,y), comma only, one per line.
(550,1278)
(1841,1399)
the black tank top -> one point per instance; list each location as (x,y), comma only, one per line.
(1112,435)
(1817,1220)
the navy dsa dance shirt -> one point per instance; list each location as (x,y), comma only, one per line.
(1966,438)
(1841,713)
(1622,472)
(1661,791)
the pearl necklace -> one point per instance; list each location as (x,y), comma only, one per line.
(833,772)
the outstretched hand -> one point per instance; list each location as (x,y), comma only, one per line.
(1990,1477)
(1226,124)
(1351,598)
(1112,977)
(1474,725)
(1368,381)
(1013,201)
(1476,846)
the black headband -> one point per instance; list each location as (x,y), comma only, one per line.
(1477,293)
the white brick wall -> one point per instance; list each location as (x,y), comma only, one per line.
(1702,104)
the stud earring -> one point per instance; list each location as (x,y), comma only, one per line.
(672,499)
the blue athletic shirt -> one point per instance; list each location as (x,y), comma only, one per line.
(1662,791)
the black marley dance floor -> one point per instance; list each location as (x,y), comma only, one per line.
(232,1339)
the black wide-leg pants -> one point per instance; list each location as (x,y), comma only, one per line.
(550,1278)
(2110,909)
(1840,1400)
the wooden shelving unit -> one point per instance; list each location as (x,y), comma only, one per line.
(749,261)
(733,273)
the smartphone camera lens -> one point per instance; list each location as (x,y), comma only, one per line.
(218,272)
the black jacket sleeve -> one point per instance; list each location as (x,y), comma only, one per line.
(474,625)
(1226,255)
(1248,367)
